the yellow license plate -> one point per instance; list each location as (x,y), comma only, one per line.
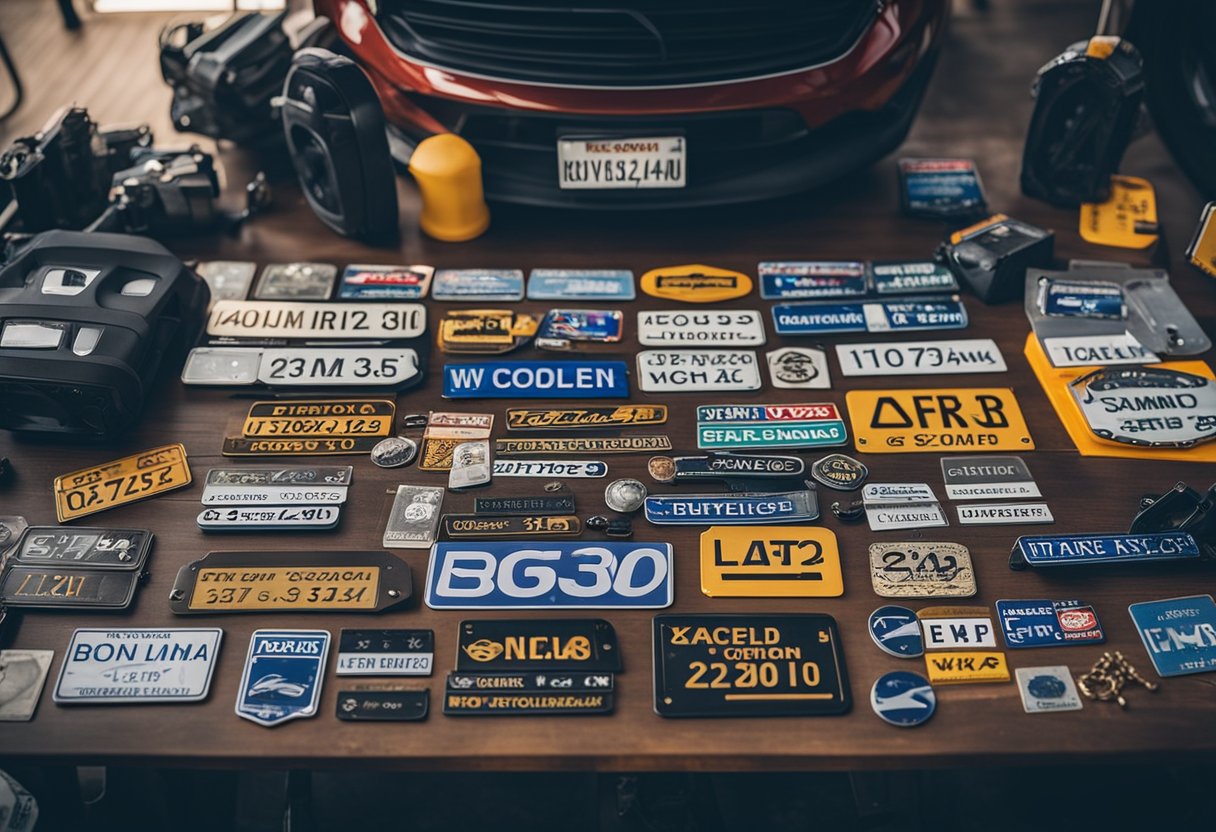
(955,668)
(242,589)
(298,426)
(122,481)
(935,421)
(770,562)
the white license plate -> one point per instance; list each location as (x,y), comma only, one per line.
(697,371)
(284,319)
(114,665)
(300,367)
(596,164)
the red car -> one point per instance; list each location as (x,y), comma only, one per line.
(655,104)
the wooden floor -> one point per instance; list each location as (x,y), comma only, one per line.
(978,106)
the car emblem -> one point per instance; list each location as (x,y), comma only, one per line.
(1147,406)
(696,284)
(283,673)
(625,496)
(110,666)
(369,703)
(770,562)
(1097,549)
(843,473)
(413,519)
(1047,689)
(798,368)
(394,452)
(932,421)
(708,328)
(896,630)
(385,653)
(813,279)
(919,358)
(485,331)
(903,699)
(122,481)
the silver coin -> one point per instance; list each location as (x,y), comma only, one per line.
(394,452)
(625,495)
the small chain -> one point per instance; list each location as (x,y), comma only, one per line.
(1107,678)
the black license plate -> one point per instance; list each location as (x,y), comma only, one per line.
(99,548)
(81,588)
(531,644)
(383,705)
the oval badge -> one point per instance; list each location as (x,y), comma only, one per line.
(695,283)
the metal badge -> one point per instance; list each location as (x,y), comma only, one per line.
(932,421)
(22,676)
(381,704)
(950,628)
(317,446)
(920,358)
(695,284)
(550,505)
(394,452)
(73,588)
(293,367)
(1179,633)
(581,284)
(1046,623)
(116,666)
(327,475)
(734,509)
(470,465)
(586,418)
(363,282)
(476,526)
(716,328)
(308,581)
(1004,514)
(548,700)
(910,277)
(270,519)
(1147,406)
(831,318)
(1047,689)
(697,371)
(551,645)
(536,380)
(485,331)
(961,668)
(903,699)
(296,281)
(492,285)
(897,493)
(798,368)
(282,678)
(812,279)
(988,478)
(921,570)
(725,466)
(896,631)
(274,495)
(730,426)
(839,472)
(549,575)
(1098,549)
(1094,299)
(582,445)
(320,417)
(770,562)
(749,665)
(123,549)
(413,520)
(437,453)
(458,425)
(122,481)
(625,495)
(281,319)
(385,653)
(550,468)
(563,329)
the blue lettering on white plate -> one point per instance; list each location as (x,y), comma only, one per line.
(536,380)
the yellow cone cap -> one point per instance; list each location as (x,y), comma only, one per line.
(448,172)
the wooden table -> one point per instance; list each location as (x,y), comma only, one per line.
(977,106)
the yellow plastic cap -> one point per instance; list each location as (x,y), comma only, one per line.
(448,172)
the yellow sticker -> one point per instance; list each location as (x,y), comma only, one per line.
(258,587)
(954,668)
(1202,250)
(770,562)
(695,284)
(935,421)
(1128,219)
(122,481)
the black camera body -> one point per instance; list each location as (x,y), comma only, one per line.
(86,320)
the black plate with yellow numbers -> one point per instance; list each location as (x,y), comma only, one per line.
(229,582)
(749,665)
(58,588)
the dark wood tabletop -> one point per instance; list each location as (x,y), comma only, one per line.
(978,107)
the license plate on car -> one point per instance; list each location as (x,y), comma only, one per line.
(595,164)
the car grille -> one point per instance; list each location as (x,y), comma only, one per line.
(647,43)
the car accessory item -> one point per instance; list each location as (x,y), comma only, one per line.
(85,322)
(1183,509)
(1087,105)
(448,172)
(335,135)
(993,255)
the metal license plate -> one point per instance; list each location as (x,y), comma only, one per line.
(593,469)
(378,425)
(536,380)
(122,481)
(697,371)
(289,367)
(932,421)
(585,418)
(1147,406)
(386,653)
(732,414)
(282,677)
(766,562)
(556,645)
(828,318)
(97,548)
(547,505)
(1003,514)
(749,665)
(1178,633)
(383,705)
(71,588)
(612,163)
(919,358)
(121,666)
(550,575)
(340,446)
(987,478)
(274,495)
(271,519)
(330,475)
(916,569)
(476,526)
(482,682)
(224,582)
(812,279)
(1097,549)
(582,445)
(284,319)
(732,509)
(528,703)
(709,328)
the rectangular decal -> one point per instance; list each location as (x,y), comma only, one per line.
(697,371)
(933,421)
(831,318)
(536,380)
(920,358)
(701,328)
(286,319)
(767,562)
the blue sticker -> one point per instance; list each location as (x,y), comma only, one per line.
(581,284)
(896,630)
(536,380)
(479,575)
(713,509)
(1083,549)
(903,277)
(283,674)
(1179,634)
(478,284)
(941,187)
(1044,623)
(913,315)
(1082,299)
(581,325)
(361,282)
(902,698)
(812,279)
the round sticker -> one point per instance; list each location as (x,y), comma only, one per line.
(902,698)
(896,630)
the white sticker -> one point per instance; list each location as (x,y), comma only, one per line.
(722,328)
(697,371)
(888,493)
(1004,514)
(1097,350)
(285,319)
(905,516)
(115,665)
(919,358)
(946,633)
(549,468)
(799,368)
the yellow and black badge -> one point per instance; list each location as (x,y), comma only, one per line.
(320,417)
(122,481)
(538,644)
(582,445)
(749,665)
(485,331)
(1127,219)
(695,284)
(582,418)
(770,562)
(1202,250)
(933,421)
(955,668)
(480,527)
